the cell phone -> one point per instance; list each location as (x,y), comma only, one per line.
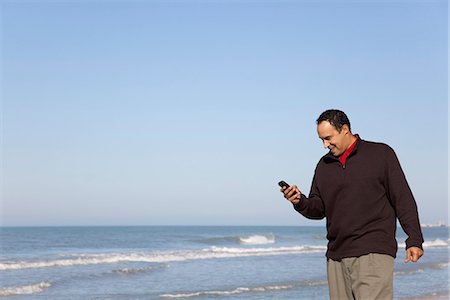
(283,183)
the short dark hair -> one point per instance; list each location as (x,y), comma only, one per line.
(336,118)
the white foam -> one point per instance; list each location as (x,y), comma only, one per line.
(67,262)
(437,243)
(131,271)
(397,273)
(229,292)
(24,290)
(266,251)
(316,283)
(161,257)
(257,239)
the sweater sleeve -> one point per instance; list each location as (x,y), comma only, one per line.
(402,200)
(311,207)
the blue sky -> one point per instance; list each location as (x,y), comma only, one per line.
(190,112)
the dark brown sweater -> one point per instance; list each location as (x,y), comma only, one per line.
(361,201)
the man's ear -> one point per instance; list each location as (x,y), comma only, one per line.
(345,129)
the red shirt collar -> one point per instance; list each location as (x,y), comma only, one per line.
(349,150)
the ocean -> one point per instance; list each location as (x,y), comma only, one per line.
(193,262)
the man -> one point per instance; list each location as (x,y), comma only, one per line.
(360,188)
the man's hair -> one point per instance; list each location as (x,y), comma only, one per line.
(336,118)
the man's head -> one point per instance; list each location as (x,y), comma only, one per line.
(333,128)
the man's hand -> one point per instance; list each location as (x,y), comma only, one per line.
(291,193)
(413,254)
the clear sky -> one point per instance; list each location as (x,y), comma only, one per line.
(190,112)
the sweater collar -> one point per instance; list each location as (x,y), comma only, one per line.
(358,141)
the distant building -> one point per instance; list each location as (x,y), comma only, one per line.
(438,224)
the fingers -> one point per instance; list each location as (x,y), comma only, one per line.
(413,254)
(417,254)
(291,193)
(408,256)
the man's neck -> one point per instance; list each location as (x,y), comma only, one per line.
(348,150)
(352,139)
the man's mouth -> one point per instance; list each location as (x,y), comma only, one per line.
(332,150)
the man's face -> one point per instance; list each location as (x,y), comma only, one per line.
(336,141)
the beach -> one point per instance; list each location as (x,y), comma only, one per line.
(193,262)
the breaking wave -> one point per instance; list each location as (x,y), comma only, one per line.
(129,271)
(408,272)
(239,290)
(437,243)
(160,257)
(24,290)
(423,267)
(257,239)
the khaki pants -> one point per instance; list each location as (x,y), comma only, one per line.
(362,278)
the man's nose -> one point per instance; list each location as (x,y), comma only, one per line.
(326,144)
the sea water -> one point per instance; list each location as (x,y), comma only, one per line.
(188,262)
